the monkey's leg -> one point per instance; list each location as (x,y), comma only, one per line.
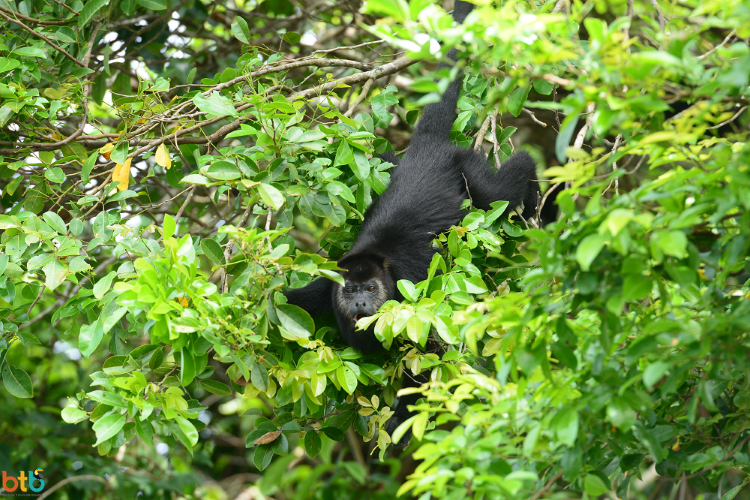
(515,181)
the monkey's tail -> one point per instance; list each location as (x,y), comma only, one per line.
(438,118)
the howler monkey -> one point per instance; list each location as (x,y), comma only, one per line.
(424,198)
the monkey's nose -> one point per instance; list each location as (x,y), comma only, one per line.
(362,304)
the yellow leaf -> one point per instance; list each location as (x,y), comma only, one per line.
(106,150)
(122,174)
(162,156)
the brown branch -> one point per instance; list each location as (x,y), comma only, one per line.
(36,299)
(319,62)
(662,21)
(39,35)
(36,21)
(547,486)
(738,113)
(713,465)
(68,480)
(52,145)
(533,117)
(361,97)
(384,70)
(726,40)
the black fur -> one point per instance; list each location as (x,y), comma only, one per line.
(423,199)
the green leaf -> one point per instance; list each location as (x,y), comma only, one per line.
(333,433)
(212,250)
(55,273)
(636,287)
(565,425)
(122,195)
(215,105)
(17,381)
(291,37)
(271,196)
(517,99)
(30,52)
(313,444)
(73,415)
(594,485)
(8,64)
(187,366)
(346,378)
(215,387)
(240,30)
(102,286)
(620,414)
(223,170)
(653,373)
(169,226)
(397,9)
(153,4)
(672,243)
(408,290)
(589,248)
(111,315)
(108,426)
(88,11)
(55,174)
(90,337)
(145,431)
(55,222)
(259,376)
(196,179)
(360,166)
(344,154)
(188,428)
(88,166)
(295,320)
(380,105)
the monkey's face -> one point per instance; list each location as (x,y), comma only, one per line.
(358,300)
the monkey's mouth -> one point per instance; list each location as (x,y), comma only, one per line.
(360,316)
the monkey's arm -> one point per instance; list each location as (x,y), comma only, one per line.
(314,298)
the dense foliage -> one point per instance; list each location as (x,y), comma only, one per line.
(168,168)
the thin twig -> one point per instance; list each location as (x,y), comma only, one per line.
(730,120)
(325,51)
(662,21)
(68,480)
(713,465)
(547,486)
(479,139)
(36,299)
(468,193)
(495,144)
(184,205)
(361,97)
(559,6)
(533,117)
(726,40)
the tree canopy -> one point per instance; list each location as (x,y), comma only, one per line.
(169,167)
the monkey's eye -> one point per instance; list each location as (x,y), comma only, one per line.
(370,288)
(349,290)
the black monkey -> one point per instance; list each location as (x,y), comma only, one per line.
(423,199)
